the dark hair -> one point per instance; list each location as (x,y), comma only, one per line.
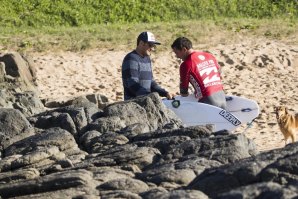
(138,40)
(182,42)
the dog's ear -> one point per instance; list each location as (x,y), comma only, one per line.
(277,108)
(286,110)
(276,111)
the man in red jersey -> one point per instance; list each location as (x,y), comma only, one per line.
(202,71)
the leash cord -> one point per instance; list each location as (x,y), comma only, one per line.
(249,125)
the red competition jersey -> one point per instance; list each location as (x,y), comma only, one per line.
(202,71)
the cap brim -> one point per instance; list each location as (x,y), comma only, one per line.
(154,42)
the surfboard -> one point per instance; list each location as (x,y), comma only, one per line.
(239,111)
(244,109)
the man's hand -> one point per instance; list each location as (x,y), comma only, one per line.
(170,96)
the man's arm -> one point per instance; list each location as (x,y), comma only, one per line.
(156,88)
(184,79)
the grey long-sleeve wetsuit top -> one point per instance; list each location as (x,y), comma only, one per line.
(137,76)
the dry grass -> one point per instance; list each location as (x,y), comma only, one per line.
(114,36)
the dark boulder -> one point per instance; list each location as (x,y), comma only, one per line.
(13,127)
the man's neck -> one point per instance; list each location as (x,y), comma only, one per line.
(140,52)
(188,52)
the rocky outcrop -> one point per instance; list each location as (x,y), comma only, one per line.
(19,69)
(128,153)
(17,84)
(277,166)
(13,127)
(133,149)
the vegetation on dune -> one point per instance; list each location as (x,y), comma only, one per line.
(75,25)
(38,13)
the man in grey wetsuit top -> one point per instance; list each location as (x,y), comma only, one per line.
(137,76)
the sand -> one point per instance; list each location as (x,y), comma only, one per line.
(265,71)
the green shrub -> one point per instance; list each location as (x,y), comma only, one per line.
(38,13)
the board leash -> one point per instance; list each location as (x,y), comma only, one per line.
(249,125)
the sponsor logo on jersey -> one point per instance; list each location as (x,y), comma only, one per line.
(209,73)
(201,57)
(198,91)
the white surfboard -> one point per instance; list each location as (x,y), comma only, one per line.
(244,109)
(239,111)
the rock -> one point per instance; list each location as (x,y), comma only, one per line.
(87,147)
(283,170)
(165,140)
(179,193)
(74,193)
(126,155)
(181,172)
(53,137)
(191,194)
(52,182)
(28,103)
(55,119)
(86,140)
(106,174)
(17,80)
(2,72)
(100,100)
(5,99)
(43,151)
(77,115)
(215,181)
(104,142)
(129,112)
(69,118)
(106,124)
(13,127)
(18,175)
(222,148)
(191,132)
(91,110)
(147,109)
(261,190)
(154,193)
(131,131)
(126,184)
(169,174)
(118,194)
(20,69)
(163,144)
(34,157)
(97,100)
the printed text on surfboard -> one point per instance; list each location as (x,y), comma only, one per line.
(231,118)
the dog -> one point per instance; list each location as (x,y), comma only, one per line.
(288,123)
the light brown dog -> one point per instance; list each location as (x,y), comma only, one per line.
(287,122)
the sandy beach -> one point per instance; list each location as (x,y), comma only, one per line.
(265,71)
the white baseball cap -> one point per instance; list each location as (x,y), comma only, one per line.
(148,37)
